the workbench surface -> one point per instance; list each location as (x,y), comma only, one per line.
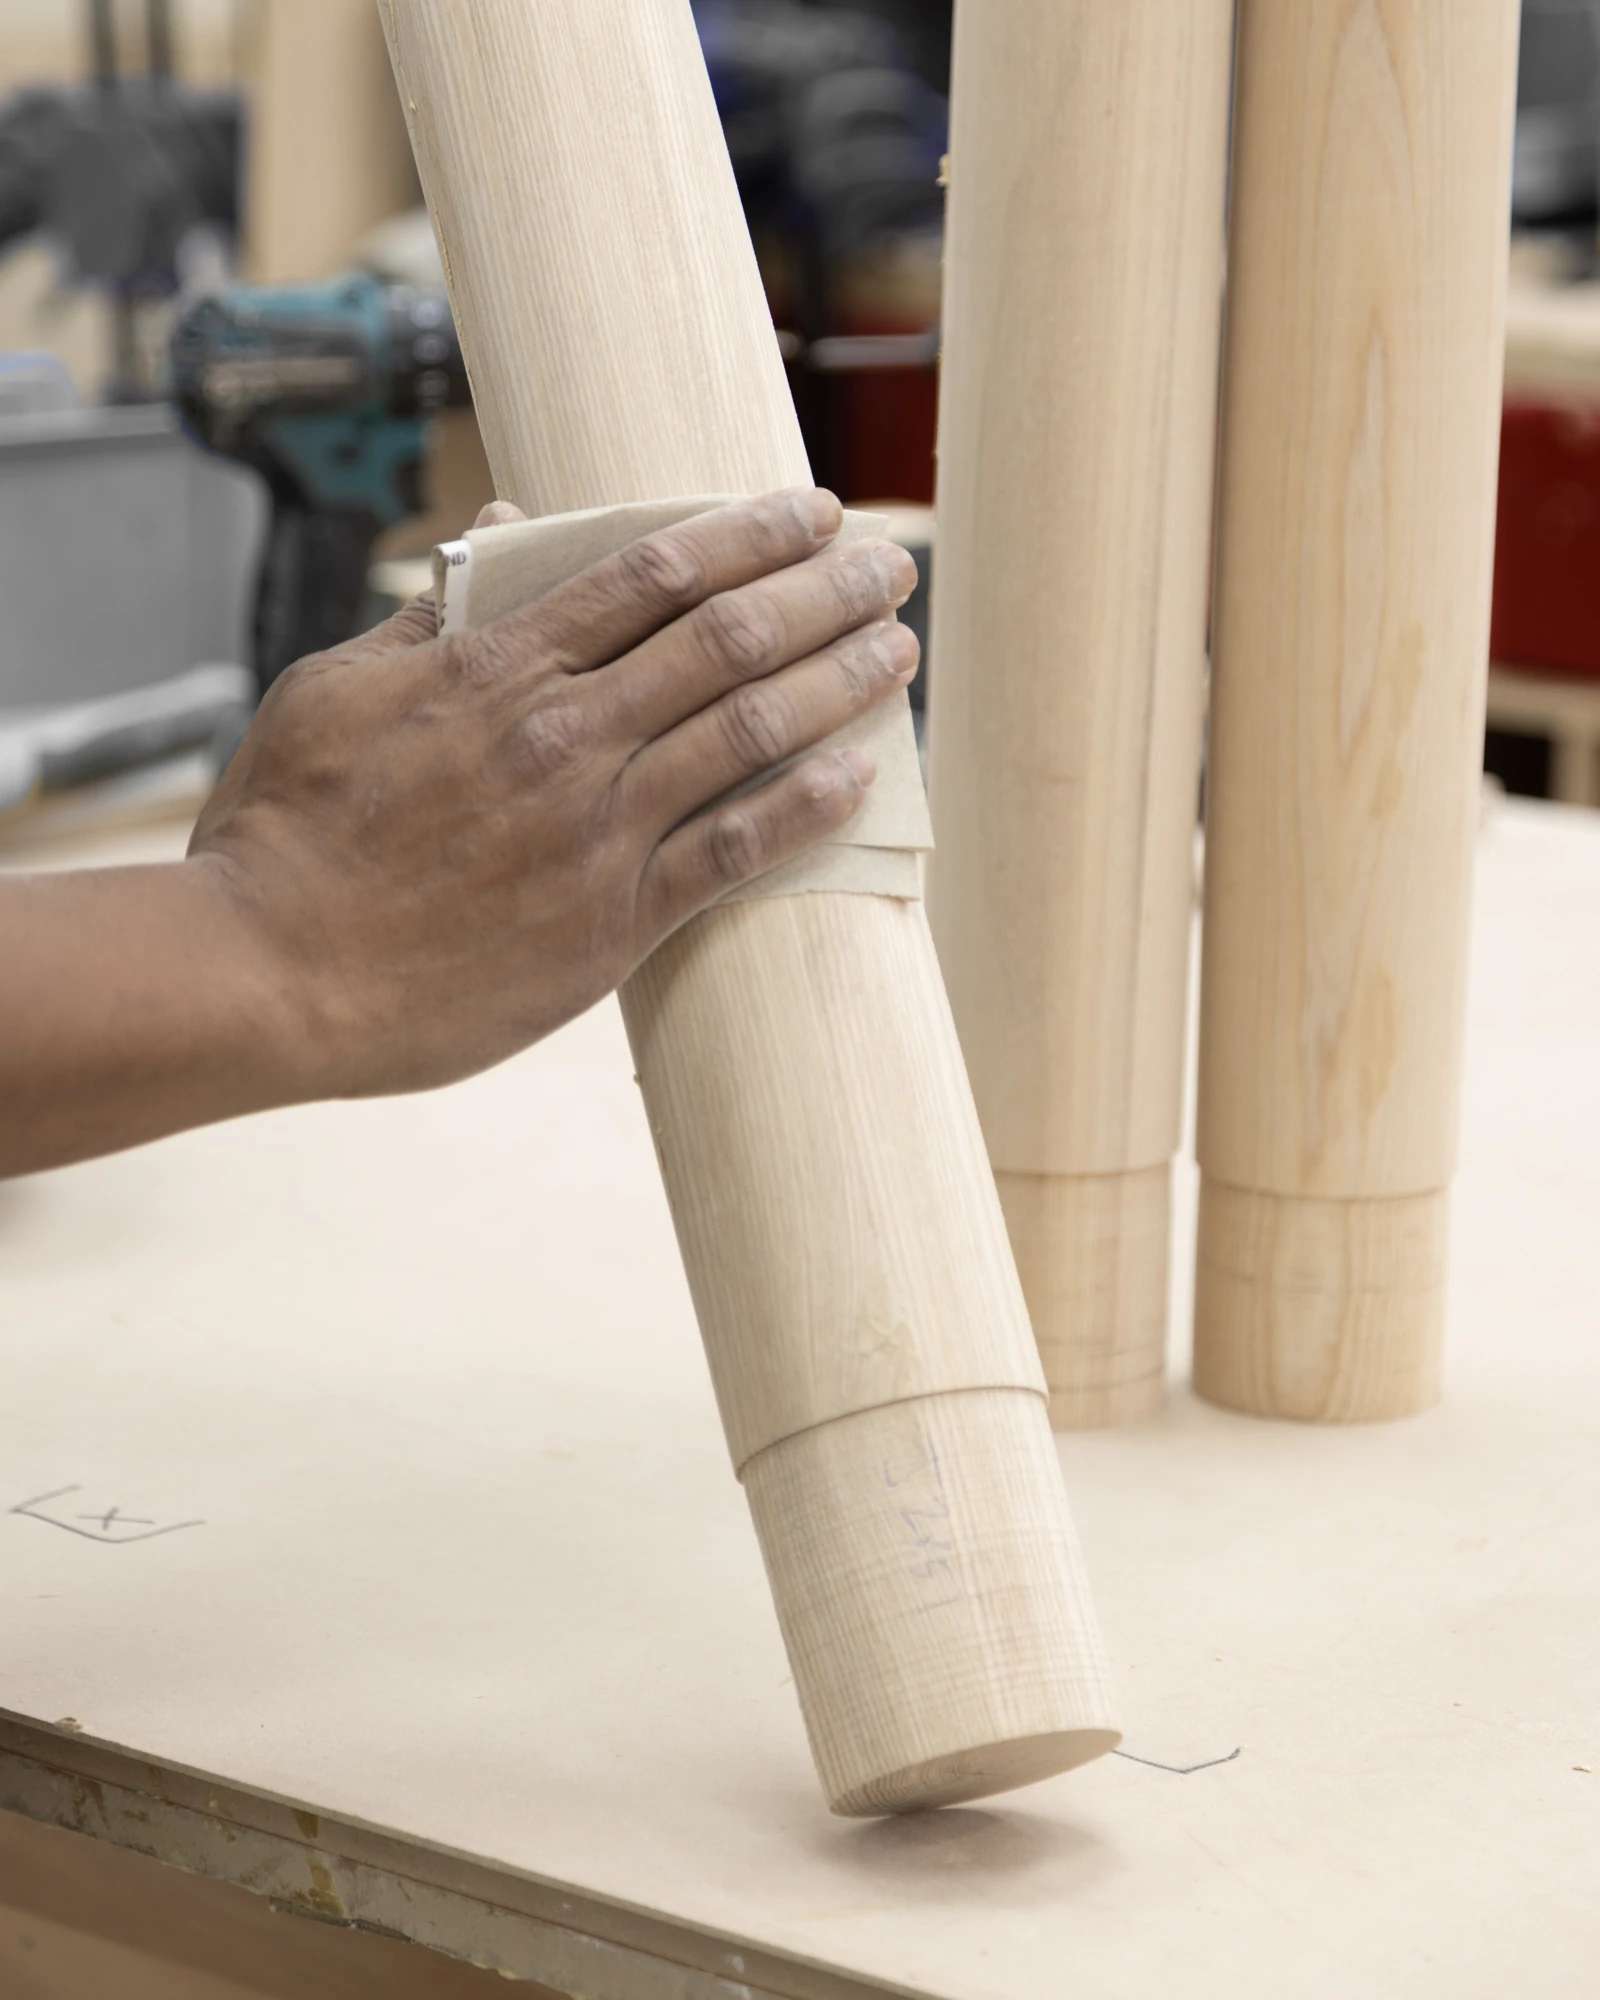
(371,1542)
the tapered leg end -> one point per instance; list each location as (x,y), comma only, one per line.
(1092,1254)
(932,1601)
(1325,1311)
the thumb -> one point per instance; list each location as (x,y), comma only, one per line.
(414,624)
(417,622)
(499,514)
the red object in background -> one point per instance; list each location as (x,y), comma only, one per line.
(880,427)
(1547,543)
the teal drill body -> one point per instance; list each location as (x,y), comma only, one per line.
(326,391)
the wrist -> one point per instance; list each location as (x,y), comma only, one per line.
(260,1008)
(134,1003)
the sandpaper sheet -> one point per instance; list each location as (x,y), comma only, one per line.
(492,571)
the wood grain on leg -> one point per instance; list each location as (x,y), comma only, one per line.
(817,1138)
(1083,276)
(1356,520)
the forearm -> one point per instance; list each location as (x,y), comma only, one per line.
(133,1003)
(406,875)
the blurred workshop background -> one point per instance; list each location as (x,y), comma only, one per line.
(233,419)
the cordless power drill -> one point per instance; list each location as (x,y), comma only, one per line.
(326,390)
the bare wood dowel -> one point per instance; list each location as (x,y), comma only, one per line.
(838,1222)
(1083,276)
(1356,520)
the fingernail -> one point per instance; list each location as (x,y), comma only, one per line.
(817,511)
(860,765)
(897,648)
(896,569)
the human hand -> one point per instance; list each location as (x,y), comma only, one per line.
(444,847)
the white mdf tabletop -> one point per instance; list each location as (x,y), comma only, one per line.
(367,1538)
